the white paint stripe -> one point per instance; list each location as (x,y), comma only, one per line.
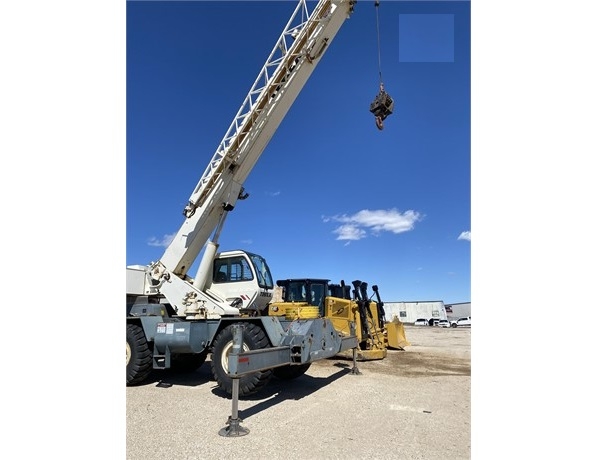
(407,408)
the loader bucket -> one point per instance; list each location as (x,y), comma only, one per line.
(395,334)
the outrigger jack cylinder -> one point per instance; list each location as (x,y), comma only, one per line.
(233,427)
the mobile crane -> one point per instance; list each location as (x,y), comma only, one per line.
(174,320)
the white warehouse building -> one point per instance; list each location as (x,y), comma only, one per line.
(458,310)
(409,312)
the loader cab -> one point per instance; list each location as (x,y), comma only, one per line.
(311,291)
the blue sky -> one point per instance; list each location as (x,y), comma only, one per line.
(331,196)
(533,177)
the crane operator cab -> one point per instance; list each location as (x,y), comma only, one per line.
(243,279)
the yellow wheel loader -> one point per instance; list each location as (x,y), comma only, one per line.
(306,298)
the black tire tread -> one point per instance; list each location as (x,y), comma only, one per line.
(140,364)
(255,338)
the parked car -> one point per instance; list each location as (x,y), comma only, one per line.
(462,322)
(443,323)
(421,322)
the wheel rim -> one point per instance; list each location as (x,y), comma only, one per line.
(225,355)
(128,352)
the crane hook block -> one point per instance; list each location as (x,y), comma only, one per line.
(381,107)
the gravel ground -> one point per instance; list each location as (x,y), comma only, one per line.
(414,404)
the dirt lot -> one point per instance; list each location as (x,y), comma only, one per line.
(414,404)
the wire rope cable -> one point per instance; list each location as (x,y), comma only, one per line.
(378,40)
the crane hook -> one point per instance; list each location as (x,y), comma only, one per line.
(381,107)
(383,104)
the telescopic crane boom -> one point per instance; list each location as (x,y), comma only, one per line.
(288,67)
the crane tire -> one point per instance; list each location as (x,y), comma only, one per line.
(253,338)
(139,356)
(290,372)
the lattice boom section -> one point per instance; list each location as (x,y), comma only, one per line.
(292,44)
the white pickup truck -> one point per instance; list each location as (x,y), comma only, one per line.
(461,322)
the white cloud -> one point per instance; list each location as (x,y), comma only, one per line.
(349,232)
(163,243)
(465,236)
(277,193)
(380,220)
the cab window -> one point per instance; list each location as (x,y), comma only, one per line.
(232,269)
